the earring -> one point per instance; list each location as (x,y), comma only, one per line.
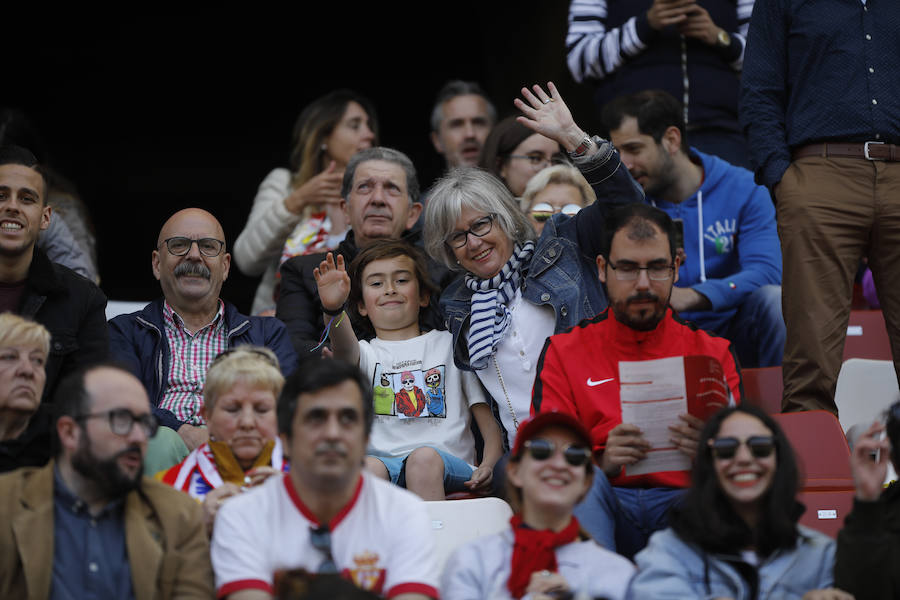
(324,147)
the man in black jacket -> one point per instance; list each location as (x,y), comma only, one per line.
(381,193)
(71,307)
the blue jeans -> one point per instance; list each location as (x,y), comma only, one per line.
(757,331)
(456,470)
(622,519)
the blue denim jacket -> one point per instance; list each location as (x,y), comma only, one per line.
(563,269)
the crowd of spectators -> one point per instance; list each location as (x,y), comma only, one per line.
(518,329)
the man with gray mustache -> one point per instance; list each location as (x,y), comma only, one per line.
(171,342)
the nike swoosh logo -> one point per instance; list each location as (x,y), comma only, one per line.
(593,383)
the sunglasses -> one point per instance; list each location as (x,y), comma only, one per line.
(320,538)
(541,449)
(542,211)
(725,448)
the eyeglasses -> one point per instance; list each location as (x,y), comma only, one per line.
(179,246)
(631,271)
(541,449)
(480,228)
(320,538)
(537,160)
(725,448)
(253,352)
(121,420)
(542,211)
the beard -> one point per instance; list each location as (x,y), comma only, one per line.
(647,317)
(663,178)
(106,474)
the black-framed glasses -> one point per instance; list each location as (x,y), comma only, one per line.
(255,353)
(760,446)
(180,245)
(320,538)
(121,420)
(541,449)
(630,271)
(542,211)
(480,228)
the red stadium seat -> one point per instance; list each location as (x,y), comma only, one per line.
(763,388)
(821,449)
(867,336)
(826,511)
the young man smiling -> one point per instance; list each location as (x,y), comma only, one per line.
(578,374)
(68,305)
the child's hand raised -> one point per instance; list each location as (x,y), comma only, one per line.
(333,282)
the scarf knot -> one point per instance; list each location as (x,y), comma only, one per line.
(490,316)
(535,550)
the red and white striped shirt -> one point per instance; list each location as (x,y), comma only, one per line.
(190,356)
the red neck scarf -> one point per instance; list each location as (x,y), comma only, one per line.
(534,550)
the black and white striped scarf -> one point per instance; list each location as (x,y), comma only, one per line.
(490,315)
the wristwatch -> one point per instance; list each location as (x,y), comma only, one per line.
(583,147)
(723,39)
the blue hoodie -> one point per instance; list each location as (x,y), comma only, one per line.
(740,248)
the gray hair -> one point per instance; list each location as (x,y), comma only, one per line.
(388,155)
(564,174)
(477,189)
(451,90)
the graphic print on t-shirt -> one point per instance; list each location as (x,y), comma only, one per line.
(410,393)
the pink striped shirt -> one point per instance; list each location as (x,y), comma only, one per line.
(190,355)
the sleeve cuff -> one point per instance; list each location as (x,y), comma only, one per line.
(771,174)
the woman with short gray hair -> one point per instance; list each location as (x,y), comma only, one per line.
(518,290)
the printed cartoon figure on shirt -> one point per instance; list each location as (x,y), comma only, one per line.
(383,393)
(434,392)
(410,400)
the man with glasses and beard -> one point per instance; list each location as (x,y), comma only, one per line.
(169,344)
(88,524)
(327,514)
(578,373)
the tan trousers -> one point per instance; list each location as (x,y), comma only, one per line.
(831,212)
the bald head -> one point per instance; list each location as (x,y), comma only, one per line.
(187,218)
(190,262)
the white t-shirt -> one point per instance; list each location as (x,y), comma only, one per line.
(381,540)
(421,398)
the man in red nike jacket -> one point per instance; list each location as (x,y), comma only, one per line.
(578,374)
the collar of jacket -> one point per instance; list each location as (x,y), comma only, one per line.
(42,277)
(151,317)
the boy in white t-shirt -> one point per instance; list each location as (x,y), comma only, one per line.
(421,437)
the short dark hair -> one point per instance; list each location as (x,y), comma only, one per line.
(655,111)
(634,215)
(453,89)
(315,374)
(71,398)
(380,249)
(388,155)
(705,516)
(17,155)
